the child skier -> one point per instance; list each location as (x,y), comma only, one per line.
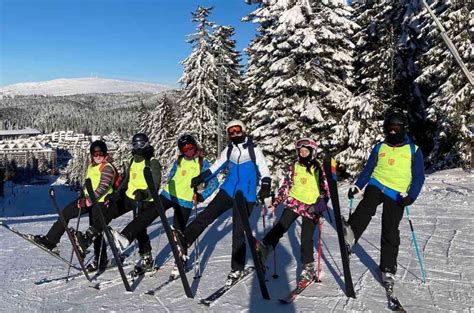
(304,193)
(394,175)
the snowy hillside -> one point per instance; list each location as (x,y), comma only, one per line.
(442,217)
(72,86)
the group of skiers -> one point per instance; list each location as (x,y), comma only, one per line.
(394,175)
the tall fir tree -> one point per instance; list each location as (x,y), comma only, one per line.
(449,93)
(230,72)
(198,102)
(300,69)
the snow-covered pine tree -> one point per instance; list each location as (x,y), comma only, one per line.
(198,103)
(230,73)
(161,128)
(300,68)
(450,96)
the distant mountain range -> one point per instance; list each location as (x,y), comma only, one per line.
(74,86)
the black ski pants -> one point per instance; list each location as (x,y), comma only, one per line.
(72,211)
(139,208)
(221,203)
(391,217)
(138,226)
(307,232)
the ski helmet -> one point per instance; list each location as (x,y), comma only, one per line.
(186,141)
(98,146)
(140,140)
(395,120)
(235,126)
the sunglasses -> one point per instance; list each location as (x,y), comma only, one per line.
(98,154)
(187,147)
(139,144)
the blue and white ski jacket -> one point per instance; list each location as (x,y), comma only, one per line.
(242,173)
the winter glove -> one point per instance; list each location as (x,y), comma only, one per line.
(264,191)
(352,191)
(320,206)
(140,194)
(199,197)
(196,181)
(81,203)
(404,201)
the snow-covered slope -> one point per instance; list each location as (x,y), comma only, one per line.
(443,219)
(63,86)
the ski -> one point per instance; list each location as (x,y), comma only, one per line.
(210,300)
(158,206)
(393,303)
(80,259)
(241,206)
(329,166)
(296,292)
(29,238)
(110,240)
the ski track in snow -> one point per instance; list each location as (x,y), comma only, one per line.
(442,218)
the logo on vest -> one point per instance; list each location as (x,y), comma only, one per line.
(382,154)
(391,162)
(134,175)
(183,172)
(303,180)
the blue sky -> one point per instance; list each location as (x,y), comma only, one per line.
(141,40)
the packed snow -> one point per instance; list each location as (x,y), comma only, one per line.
(73,86)
(442,218)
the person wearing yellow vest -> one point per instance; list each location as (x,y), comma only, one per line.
(135,196)
(394,175)
(304,193)
(102,174)
(176,194)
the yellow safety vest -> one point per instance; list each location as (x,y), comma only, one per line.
(393,168)
(305,186)
(93,173)
(136,179)
(180,185)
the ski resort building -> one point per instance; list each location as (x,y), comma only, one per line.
(10,134)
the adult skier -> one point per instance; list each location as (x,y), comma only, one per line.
(135,197)
(176,194)
(246,166)
(102,174)
(394,175)
(304,193)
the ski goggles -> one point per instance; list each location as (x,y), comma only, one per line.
(98,154)
(234,130)
(306,142)
(140,144)
(187,147)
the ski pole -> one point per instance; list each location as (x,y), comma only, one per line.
(415,243)
(275,275)
(263,208)
(197,267)
(351,201)
(320,226)
(350,206)
(72,252)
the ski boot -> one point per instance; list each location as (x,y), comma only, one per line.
(145,264)
(97,265)
(233,277)
(308,275)
(349,237)
(44,242)
(121,242)
(83,241)
(263,251)
(388,280)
